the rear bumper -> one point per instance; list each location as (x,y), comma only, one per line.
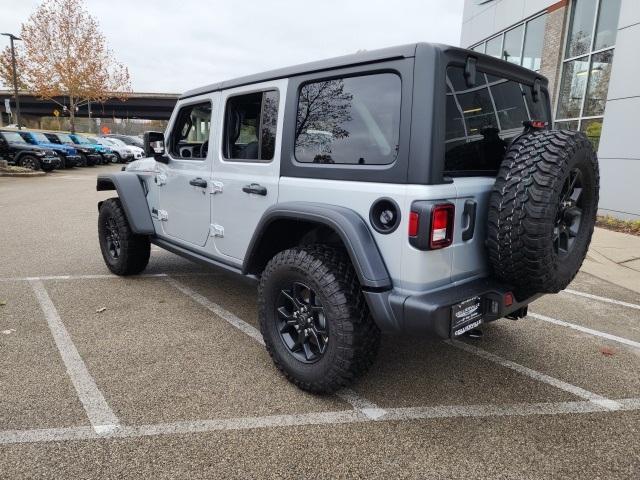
(429,313)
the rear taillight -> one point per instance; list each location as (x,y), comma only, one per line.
(431,225)
(441,231)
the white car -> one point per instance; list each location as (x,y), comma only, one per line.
(125,153)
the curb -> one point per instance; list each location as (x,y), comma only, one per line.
(22,174)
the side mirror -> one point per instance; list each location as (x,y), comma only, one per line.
(154,146)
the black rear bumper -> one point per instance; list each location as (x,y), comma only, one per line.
(429,313)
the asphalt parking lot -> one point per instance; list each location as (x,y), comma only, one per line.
(164,375)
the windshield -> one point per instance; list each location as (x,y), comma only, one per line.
(115,141)
(13,137)
(40,137)
(64,138)
(82,140)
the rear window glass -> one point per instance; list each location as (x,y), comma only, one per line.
(483,119)
(353,120)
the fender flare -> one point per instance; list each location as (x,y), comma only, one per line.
(132,197)
(345,222)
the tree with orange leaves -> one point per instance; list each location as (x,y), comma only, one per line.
(64,54)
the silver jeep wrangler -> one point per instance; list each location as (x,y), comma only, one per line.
(417,189)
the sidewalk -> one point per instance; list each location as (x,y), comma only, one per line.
(614,257)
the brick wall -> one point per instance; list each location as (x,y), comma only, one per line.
(551,64)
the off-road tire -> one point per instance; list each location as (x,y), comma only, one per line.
(353,336)
(134,249)
(525,204)
(29,161)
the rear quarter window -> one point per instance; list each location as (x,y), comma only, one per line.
(353,120)
(482,120)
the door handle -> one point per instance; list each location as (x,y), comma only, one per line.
(198,182)
(255,188)
(469,211)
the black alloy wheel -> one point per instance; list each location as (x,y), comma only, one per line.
(30,162)
(569,217)
(302,323)
(112,238)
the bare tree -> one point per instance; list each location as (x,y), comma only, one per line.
(64,54)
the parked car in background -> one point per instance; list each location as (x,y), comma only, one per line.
(89,155)
(69,156)
(106,154)
(17,151)
(122,152)
(138,152)
(128,139)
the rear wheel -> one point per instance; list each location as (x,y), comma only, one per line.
(124,252)
(30,162)
(314,319)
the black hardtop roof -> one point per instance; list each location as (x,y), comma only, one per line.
(403,51)
(366,57)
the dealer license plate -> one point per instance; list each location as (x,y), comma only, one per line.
(466,316)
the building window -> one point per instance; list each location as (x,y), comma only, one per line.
(587,66)
(521,44)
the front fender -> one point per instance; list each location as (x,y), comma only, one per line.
(132,197)
(346,223)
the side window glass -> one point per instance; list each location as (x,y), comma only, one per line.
(352,120)
(189,137)
(250,126)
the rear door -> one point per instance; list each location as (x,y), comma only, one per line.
(246,168)
(482,120)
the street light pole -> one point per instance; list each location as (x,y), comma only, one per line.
(12,37)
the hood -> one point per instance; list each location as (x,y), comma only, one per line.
(68,149)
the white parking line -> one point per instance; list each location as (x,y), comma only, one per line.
(359,403)
(539,376)
(100,276)
(102,418)
(601,299)
(317,418)
(590,331)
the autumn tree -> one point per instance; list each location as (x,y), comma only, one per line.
(64,54)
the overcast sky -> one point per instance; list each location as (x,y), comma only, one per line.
(176,45)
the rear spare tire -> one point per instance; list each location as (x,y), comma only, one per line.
(542,210)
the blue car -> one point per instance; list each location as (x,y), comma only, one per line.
(106,153)
(89,156)
(69,156)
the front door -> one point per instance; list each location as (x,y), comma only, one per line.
(247,164)
(184,183)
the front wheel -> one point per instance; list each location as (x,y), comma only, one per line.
(314,319)
(116,158)
(30,162)
(124,252)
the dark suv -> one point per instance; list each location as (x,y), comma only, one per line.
(69,156)
(17,151)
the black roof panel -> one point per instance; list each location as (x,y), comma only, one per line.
(404,51)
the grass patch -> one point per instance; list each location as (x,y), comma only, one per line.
(625,226)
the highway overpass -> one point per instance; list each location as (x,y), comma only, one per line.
(151,106)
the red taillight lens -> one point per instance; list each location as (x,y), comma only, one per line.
(414,223)
(508,299)
(441,234)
